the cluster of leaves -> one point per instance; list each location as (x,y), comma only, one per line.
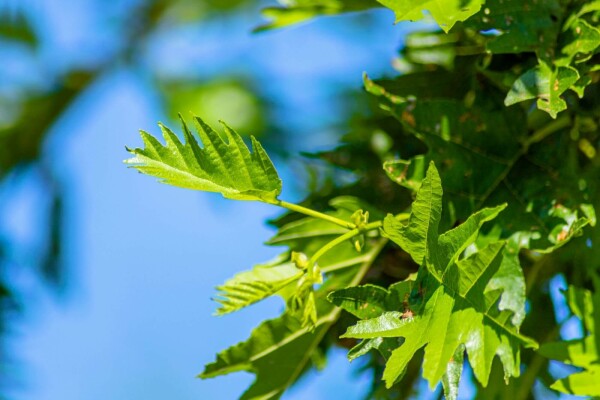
(500,109)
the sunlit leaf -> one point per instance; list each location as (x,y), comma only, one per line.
(224,167)
(283,342)
(445,12)
(451,304)
(248,287)
(584,352)
(546,85)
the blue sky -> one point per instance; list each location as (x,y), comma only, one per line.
(144,258)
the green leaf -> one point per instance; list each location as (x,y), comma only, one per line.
(546,85)
(296,11)
(453,304)
(283,342)
(484,159)
(371,301)
(15,26)
(445,12)
(228,167)
(521,26)
(584,352)
(570,227)
(430,48)
(421,231)
(262,281)
(407,173)
(451,378)
(580,38)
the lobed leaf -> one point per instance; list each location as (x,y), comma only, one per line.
(224,167)
(451,304)
(484,162)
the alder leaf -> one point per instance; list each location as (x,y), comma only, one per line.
(228,167)
(584,352)
(451,303)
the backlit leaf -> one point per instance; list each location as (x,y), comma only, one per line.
(262,281)
(283,342)
(451,304)
(445,12)
(226,167)
(546,85)
(584,352)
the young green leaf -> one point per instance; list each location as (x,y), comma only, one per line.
(262,281)
(584,352)
(224,167)
(283,342)
(453,305)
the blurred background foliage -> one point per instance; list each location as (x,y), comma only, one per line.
(159,42)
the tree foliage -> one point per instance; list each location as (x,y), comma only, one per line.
(489,134)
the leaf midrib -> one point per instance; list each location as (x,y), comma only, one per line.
(223,189)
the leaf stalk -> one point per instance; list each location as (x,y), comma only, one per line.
(312,213)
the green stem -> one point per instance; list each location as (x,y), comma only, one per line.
(545,131)
(341,239)
(350,234)
(312,213)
